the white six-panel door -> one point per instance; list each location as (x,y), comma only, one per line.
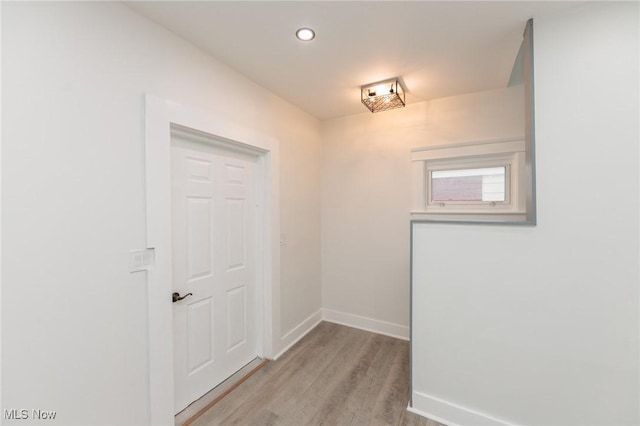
(213,242)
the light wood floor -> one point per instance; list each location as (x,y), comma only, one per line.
(335,375)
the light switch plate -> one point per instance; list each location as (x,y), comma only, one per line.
(141,260)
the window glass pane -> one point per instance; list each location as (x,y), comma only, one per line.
(482,184)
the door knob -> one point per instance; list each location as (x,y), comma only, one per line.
(176,296)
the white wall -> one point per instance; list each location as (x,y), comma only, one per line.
(366,196)
(540,325)
(74,319)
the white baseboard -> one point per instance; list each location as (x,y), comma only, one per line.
(450,414)
(350,320)
(367,324)
(430,416)
(298,332)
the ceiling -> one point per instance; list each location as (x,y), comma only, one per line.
(437,48)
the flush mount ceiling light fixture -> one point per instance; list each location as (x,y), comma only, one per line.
(384,95)
(305,34)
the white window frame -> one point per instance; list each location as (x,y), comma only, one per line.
(503,153)
(508,162)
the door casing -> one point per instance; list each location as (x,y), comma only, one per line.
(161,119)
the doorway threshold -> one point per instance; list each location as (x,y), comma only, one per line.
(208,400)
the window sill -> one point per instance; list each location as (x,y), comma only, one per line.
(470,217)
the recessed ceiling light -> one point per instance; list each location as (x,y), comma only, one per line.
(305,34)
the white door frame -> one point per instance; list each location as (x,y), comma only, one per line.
(160,117)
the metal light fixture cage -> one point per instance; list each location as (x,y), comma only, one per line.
(383,95)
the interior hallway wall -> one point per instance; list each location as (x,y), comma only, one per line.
(366,196)
(540,325)
(74,335)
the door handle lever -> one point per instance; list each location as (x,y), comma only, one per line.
(176,296)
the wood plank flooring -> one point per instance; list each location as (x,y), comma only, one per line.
(335,375)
